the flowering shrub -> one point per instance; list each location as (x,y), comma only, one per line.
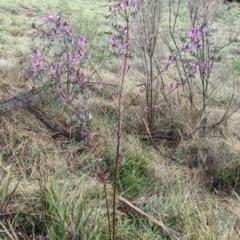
(57,65)
(196,48)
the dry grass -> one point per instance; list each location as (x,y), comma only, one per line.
(57,194)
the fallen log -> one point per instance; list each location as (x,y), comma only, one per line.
(23,99)
(32,97)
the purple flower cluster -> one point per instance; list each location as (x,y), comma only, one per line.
(196,67)
(57,62)
(194,35)
(71,60)
(113,40)
(174,86)
(67,29)
(169,59)
(37,62)
(80,79)
(121,38)
(120,41)
(55,70)
(195,43)
(80,44)
(205,69)
(68,56)
(56,28)
(124,5)
(49,18)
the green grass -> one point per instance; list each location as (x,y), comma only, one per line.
(136,174)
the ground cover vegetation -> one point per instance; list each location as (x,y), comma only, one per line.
(119,120)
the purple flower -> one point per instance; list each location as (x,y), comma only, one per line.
(100,85)
(187,47)
(206,68)
(54,33)
(81,43)
(196,67)
(82,109)
(71,59)
(113,40)
(36,66)
(196,44)
(80,54)
(169,59)
(174,86)
(126,4)
(71,71)
(80,83)
(46,34)
(134,3)
(126,41)
(119,6)
(83,133)
(63,98)
(33,32)
(48,18)
(80,79)
(194,34)
(55,69)
(122,29)
(117,50)
(36,54)
(59,88)
(146,110)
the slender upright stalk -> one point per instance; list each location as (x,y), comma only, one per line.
(119,129)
